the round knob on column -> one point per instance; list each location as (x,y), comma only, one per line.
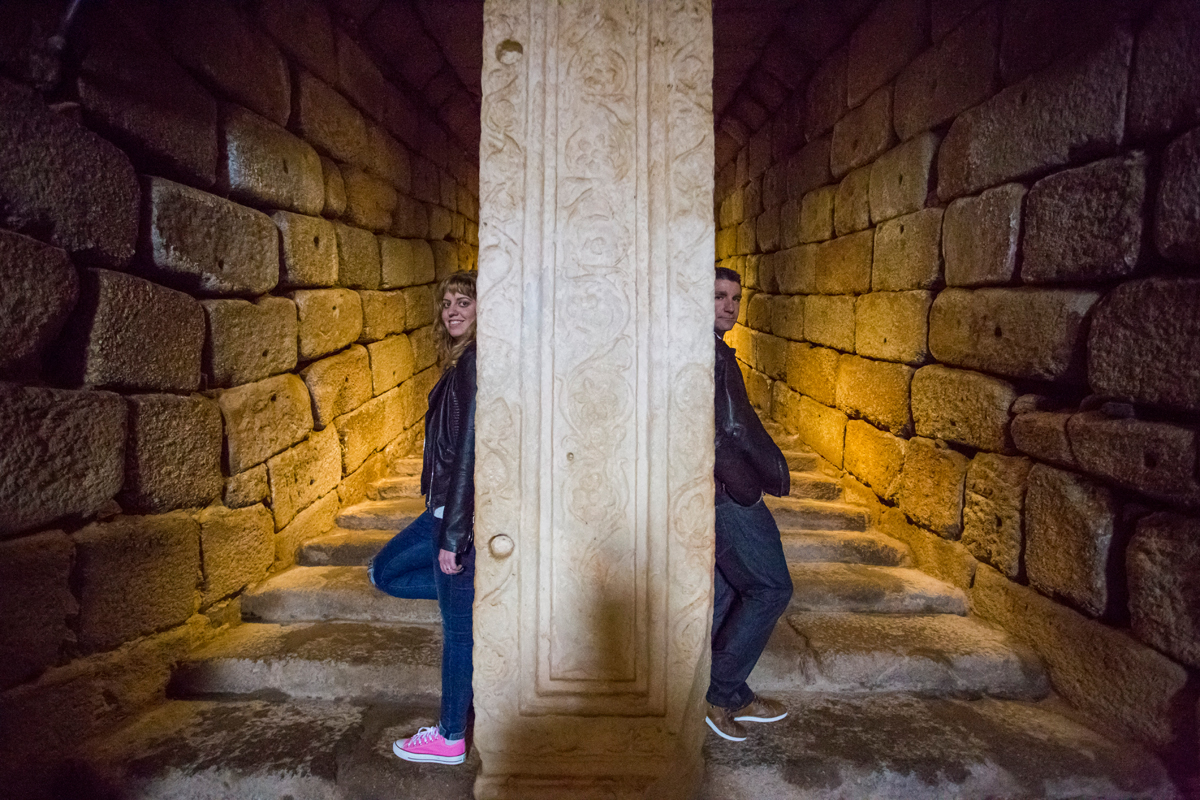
(501,546)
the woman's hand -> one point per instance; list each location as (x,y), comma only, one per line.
(448,561)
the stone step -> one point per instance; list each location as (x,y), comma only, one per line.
(342,548)
(317,594)
(357,661)
(396,487)
(802,461)
(936,655)
(406,466)
(872,589)
(814,486)
(391,515)
(816,515)
(848,547)
(887,746)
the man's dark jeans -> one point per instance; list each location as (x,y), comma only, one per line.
(753,588)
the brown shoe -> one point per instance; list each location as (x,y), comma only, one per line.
(760,709)
(723,724)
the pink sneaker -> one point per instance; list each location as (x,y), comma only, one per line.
(429,746)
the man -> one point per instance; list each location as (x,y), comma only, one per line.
(753,586)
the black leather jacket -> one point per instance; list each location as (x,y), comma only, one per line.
(748,462)
(448,472)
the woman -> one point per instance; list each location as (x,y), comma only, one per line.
(434,557)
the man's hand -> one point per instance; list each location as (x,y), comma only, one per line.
(448,561)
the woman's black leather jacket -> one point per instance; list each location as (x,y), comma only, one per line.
(448,473)
(748,462)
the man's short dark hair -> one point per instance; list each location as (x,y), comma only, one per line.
(726,274)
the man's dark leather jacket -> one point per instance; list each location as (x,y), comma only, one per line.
(748,462)
(448,472)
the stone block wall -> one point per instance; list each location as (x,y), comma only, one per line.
(969,246)
(220,229)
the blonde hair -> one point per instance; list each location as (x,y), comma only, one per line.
(449,350)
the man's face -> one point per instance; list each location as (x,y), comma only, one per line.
(729,299)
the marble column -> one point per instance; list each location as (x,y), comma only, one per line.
(595,430)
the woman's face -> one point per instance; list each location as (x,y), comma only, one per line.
(458,313)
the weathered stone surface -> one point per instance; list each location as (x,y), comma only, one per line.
(304,31)
(129,333)
(826,96)
(424,349)
(205,244)
(1085,224)
(338,384)
(961,406)
(1043,435)
(863,134)
(420,307)
(766,227)
(327,121)
(844,264)
(1022,333)
(426,186)
(362,431)
(1162,95)
(877,391)
(214,40)
(813,371)
(1098,669)
(246,488)
(796,270)
(995,507)
(391,362)
(808,168)
(173,454)
(745,234)
(335,188)
(893,326)
(383,314)
(42,156)
(1163,564)
(900,178)
(37,600)
(758,312)
(875,457)
(262,164)
(980,236)
(236,546)
(933,555)
(886,41)
(1072,108)
(787,317)
(852,203)
(301,474)
(264,418)
(370,201)
(908,252)
(314,521)
(410,220)
(823,429)
(445,258)
(931,487)
(358,258)
(359,77)
(388,159)
(441,225)
(249,341)
(816,215)
(1177,216)
(136,575)
(829,321)
(308,251)
(770,355)
(1155,458)
(1069,527)
(330,319)
(38,289)
(1142,344)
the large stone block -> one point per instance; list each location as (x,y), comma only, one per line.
(37,600)
(327,121)
(64,454)
(877,391)
(945,560)
(995,509)
(1155,458)
(758,311)
(44,158)
(816,215)
(424,349)
(370,201)
(358,258)
(787,317)
(361,432)
(893,326)
(335,188)
(338,384)
(796,270)
(887,40)
(388,159)
(441,225)
(1085,224)
(931,486)
(1142,343)
(852,203)
(173,454)
(205,244)
(908,252)
(844,264)
(980,236)
(236,547)
(264,418)
(329,319)
(900,178)
(214,40)
(129,333)
(316,520)
(1069,526)
(863,134)
(420,307)
(1074,107)
(264,165)
(302,29)
(964,407)
(359,77)
(308,251)
(1177,216)
(445,258)
(1163,96)
(391,362)
(135,576)
(770,355)
(813,371)
(808,168)
(246,488)
(38,289)
(383,314)
(829,321)
(1043,435)
(249,341)
(1022,333)
(826,96)
(875,457)
(1163,563)
(766,227)
(823,429)
(304,473)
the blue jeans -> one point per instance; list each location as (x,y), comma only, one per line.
(753,588)
(407,567)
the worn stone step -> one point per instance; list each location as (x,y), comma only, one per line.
(849,547)
(391,515)
(869,588)
(316,594)
(406,466)
(816,515)
(358,661)
(814,486)
(802,460)
(342,548)
(887,746)
(396,487)
(937,655)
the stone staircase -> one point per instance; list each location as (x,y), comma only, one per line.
(894,691)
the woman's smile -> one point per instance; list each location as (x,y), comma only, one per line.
(458,313)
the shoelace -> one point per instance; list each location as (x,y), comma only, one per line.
(424,736)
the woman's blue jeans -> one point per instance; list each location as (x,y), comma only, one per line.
(407,567)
